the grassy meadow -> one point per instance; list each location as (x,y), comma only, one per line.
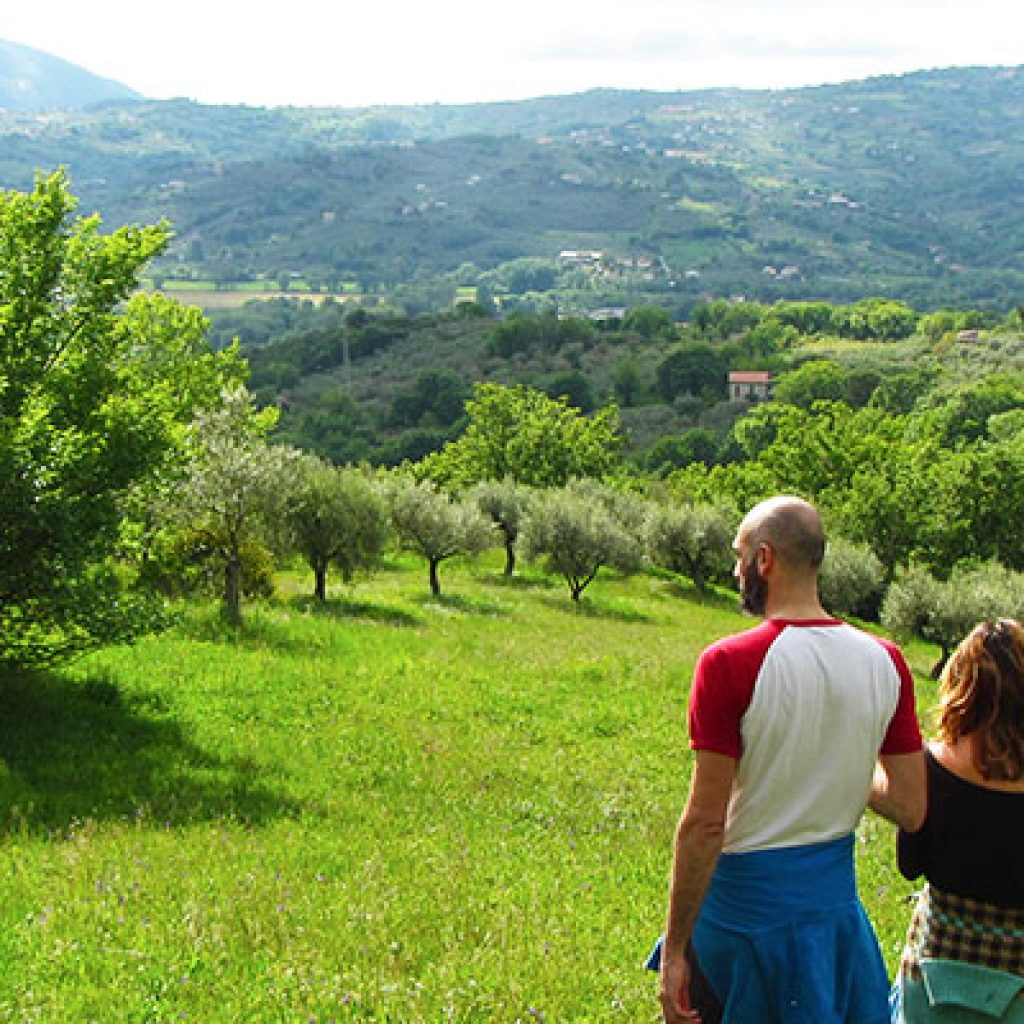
(390,808)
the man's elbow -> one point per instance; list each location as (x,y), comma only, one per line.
(900,790)
(701,830)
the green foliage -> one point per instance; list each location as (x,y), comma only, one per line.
(960,416)
(875,319)
(82,426)
(976,500)
(181,563)
(573,386)
(693,368)
(815,452)
(720,320)
(523,435)
(578,529)
(819,379)
(434,525)
(899,392)
(852,579)
(627,382)
(335,517)
(943,323)
(436,399)
(807,318)
(649,321)
(698,444)
(740,484)
(522,333)
(692,540)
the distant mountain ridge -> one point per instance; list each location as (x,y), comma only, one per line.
(31,80)
(903,185)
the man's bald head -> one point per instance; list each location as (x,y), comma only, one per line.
(793,529)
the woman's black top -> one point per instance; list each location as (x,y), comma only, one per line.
(972,841)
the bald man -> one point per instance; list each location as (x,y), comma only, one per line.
(797,725)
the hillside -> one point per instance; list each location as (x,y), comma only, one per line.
(31,80)
(390,808)
(899,185)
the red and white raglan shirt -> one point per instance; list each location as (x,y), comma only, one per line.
(805,707)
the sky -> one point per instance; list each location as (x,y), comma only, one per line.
(338,53)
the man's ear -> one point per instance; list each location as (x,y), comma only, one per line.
(765,558)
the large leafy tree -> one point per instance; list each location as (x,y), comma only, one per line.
(82,426)
(694,368)
(522,435)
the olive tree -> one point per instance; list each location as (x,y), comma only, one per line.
(435,525)
(577,533)
(943,612)
(335,517)
(237,487)
(852,579)
(692,540)
(506,503)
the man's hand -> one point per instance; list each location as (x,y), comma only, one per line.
(699,838)
(675,991)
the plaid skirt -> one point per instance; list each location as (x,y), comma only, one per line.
(949,927)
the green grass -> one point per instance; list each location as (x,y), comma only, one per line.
(390,808)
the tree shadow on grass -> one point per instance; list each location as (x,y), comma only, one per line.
(591,610)
(350,608)
(273,629)
(73,751)
(714,596)
(461,603)
(518,581)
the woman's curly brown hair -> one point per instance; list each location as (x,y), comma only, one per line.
(982,694)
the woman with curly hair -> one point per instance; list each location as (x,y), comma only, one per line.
(964,956)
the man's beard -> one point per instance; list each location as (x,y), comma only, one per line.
(753,590)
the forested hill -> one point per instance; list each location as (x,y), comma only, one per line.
(903,186)
(31,80)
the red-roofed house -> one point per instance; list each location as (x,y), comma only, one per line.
(754,385)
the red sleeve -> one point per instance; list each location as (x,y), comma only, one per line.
(904,734)
(723,684)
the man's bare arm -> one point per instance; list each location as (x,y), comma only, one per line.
(899,789)
(698,845)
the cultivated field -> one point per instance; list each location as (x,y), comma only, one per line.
(391,808)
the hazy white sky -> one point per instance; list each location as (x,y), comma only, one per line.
(333,52)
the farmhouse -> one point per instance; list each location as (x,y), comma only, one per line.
(754,385)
